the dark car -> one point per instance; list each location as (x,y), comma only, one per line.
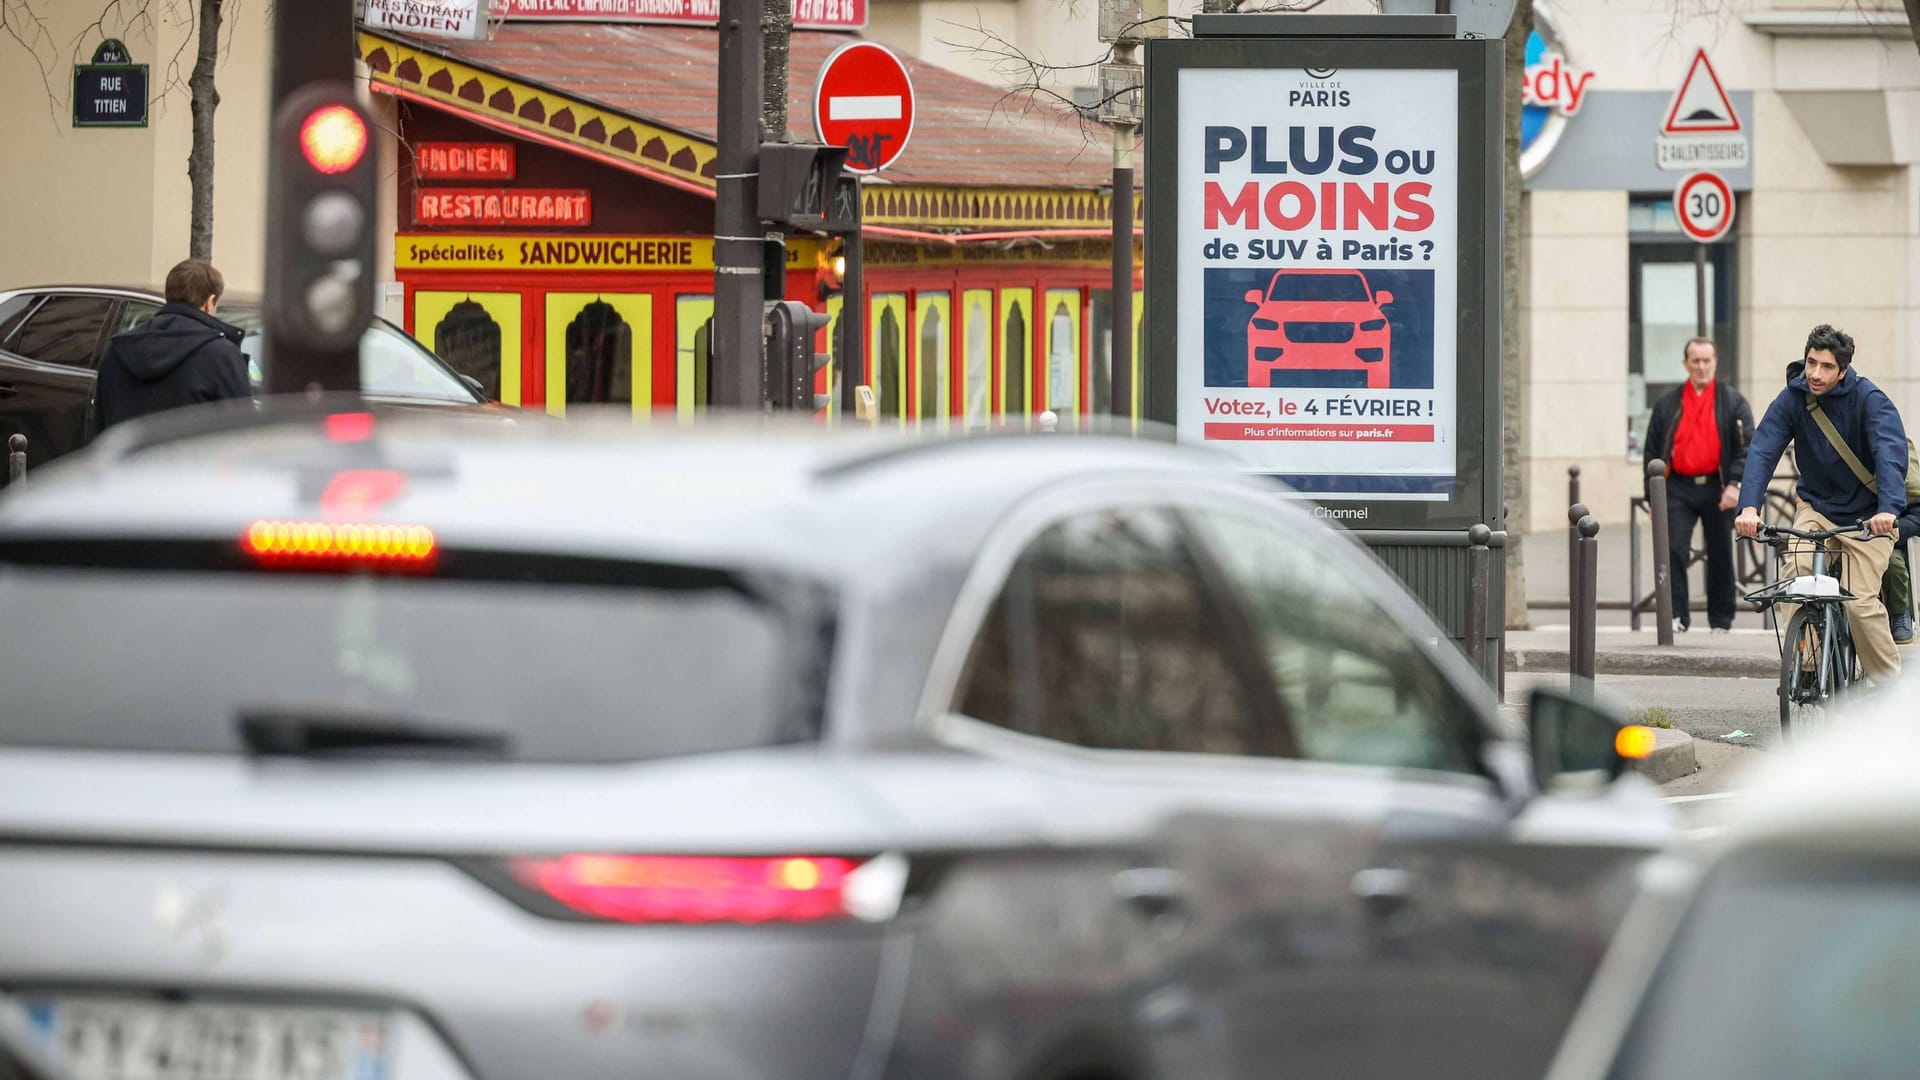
(52,339)
(729,752)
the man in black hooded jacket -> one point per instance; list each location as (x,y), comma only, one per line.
(181,356)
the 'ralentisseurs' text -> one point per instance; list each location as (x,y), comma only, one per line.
(1399,204)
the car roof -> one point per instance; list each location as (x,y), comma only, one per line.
(146,292)
(729,492)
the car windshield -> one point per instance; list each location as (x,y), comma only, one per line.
(391,363)
(562,666)
(1319,287)
(1787,966)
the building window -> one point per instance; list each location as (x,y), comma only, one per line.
(1663,307)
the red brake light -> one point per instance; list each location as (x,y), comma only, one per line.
(702,889)
(322,543)
(333,138)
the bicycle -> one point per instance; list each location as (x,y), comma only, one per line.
(1818,661)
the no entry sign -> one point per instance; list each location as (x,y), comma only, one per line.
(1704,204)
(864,102)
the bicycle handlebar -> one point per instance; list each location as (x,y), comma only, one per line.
(1774,533)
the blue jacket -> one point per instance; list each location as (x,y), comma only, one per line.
(1871,426)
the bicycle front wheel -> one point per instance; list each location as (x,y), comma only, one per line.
(1809,671)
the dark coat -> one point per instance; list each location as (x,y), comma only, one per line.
(1867,422)
(182,356)
(1731,414)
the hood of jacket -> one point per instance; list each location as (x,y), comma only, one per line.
(151,352)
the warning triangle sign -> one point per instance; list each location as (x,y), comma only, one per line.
(1701,104)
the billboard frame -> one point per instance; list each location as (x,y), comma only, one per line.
(1406,42)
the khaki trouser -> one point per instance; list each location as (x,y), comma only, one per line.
(1865,564)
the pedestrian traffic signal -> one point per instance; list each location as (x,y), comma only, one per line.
(797,183)
(791,361)
(322,188)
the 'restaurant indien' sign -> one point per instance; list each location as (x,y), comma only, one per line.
(436,18)
(463,161)
(540,207)
(807,14)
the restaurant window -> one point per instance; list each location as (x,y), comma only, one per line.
(977,334)
(1663,307)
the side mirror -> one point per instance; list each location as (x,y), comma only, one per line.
(1573,736)
(1382,298)
(478,387)
(1256,296)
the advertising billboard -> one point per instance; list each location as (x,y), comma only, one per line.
(1319,227)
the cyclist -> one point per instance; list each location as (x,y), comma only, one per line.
(1831,496)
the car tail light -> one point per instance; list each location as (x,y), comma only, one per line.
(326,544)
(704,889)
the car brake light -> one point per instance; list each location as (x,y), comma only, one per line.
(349,427)
(334,544)
(705,889)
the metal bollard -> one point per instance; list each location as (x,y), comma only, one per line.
(1479,590)
(1574,514)
(1662,561)
(16,458)
(1581,663)
(1573,484)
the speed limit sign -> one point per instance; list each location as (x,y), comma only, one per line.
(1704,204)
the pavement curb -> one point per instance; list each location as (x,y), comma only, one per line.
(1671,759)
(1661,662)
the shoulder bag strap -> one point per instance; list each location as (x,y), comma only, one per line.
(1846,452)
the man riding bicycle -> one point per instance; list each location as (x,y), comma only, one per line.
(1831,495)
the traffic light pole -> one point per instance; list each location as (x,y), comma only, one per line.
(312,42)
(735,380)
(321,192)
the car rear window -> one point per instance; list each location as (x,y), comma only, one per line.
(1787,966)
(1319,287)
(169,661)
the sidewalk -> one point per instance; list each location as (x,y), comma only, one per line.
(1749,653)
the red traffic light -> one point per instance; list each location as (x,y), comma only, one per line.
(333,138)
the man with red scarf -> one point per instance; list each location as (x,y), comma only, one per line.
(1700,429)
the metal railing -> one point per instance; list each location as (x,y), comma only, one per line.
(1752,569)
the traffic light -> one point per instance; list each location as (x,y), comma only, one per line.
(322,189)
(797,182)
(791,361)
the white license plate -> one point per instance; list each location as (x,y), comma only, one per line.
(110,1038)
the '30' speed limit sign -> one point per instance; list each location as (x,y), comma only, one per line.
(1704,204)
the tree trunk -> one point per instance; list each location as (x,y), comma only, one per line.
(205,99)
(1512,486)
(776,26)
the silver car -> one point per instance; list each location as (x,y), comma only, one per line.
(338,746)
(1786,943)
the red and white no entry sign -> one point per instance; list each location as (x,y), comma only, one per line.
(1704,204)
(864,102)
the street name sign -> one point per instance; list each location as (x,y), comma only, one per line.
(111,91)
(1702,128)
(1704,204)
(863,101)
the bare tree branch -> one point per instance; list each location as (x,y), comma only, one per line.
(28,30)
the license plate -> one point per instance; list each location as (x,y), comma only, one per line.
(102,1038)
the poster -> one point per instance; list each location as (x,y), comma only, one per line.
(1318,245)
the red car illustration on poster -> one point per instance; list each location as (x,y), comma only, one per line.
(1318,321)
